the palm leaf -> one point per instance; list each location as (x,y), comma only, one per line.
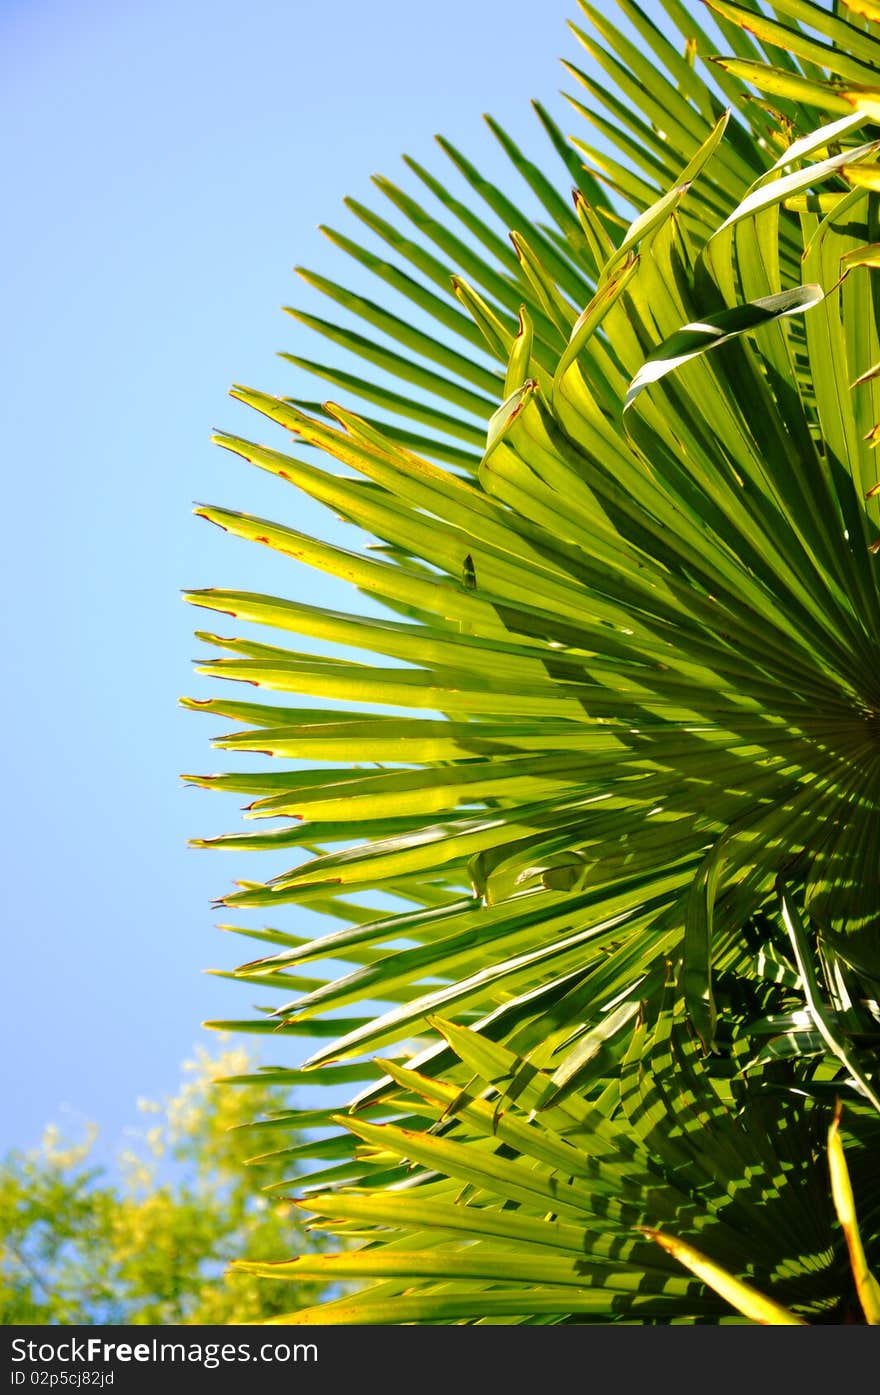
(502,1206)
(625,609)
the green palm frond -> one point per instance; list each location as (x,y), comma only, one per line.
(516,1207)
(624,656)
(757,1306)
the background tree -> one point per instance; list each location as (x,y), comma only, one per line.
(150,1241)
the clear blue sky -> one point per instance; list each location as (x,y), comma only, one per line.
(165,166)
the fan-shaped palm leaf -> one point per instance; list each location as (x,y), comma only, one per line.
(530,1210)
(633,678)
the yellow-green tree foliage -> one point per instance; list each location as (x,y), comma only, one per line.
(149,1240)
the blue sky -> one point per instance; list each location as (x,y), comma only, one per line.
(165,166)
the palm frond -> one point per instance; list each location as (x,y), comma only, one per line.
(621,686)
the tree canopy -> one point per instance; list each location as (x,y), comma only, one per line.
(149,1239)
